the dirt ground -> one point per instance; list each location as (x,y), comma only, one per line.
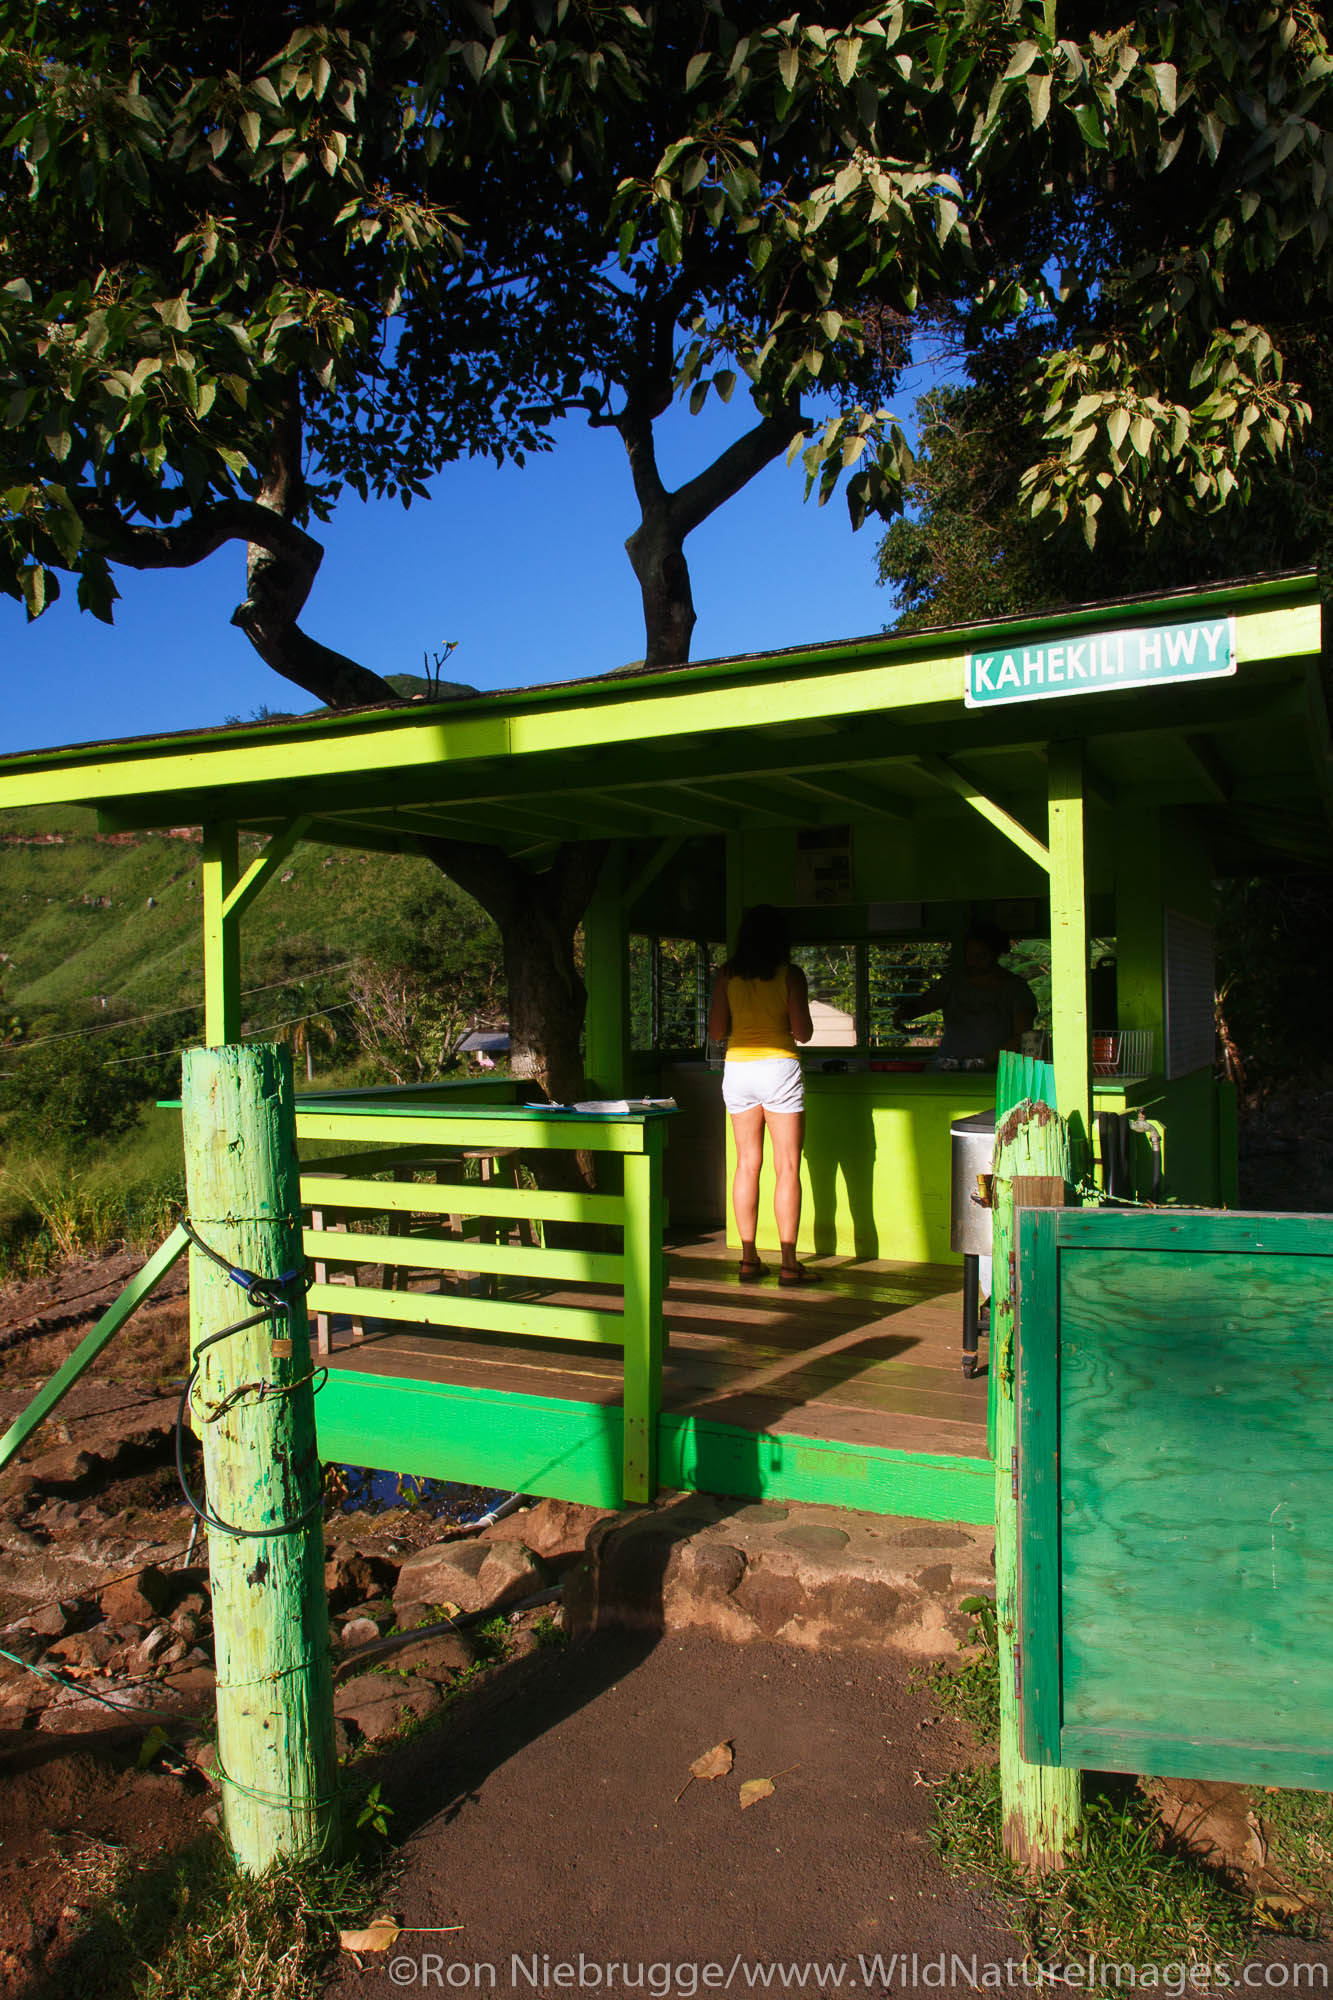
(545,1819)
(70,1810)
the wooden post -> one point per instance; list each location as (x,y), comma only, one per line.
(606,975)
(645,1283)
(222,937)
(1041,1804)
(1070,1027)
(276,1756)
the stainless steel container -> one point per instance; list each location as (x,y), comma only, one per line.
(972,1152)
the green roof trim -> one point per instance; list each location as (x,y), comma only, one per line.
(926,646)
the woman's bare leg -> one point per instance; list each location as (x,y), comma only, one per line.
(786,1129)
(748,1127)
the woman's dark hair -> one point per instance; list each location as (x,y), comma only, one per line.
(763,943)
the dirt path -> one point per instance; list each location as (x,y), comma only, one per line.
(546,1820)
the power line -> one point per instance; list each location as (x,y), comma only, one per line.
(161,1013)
(251,1035)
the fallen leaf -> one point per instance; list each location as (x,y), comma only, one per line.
(714,1763)
(755,1789)
(381,1933)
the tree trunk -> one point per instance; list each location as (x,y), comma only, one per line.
(657,556)
(537,916)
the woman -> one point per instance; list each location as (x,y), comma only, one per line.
(761,1009)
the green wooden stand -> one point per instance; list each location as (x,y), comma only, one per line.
(276,1757)
(1041,1803)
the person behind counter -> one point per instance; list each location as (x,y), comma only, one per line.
(986,1008)
(760,1007)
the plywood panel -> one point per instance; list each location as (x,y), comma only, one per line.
(1181,1566)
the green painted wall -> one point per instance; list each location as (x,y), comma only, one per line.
(572,1451)
(876,1167)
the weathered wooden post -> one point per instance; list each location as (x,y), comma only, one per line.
(253,1407)
(1042,1805)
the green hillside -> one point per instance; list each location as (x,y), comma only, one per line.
(85,916)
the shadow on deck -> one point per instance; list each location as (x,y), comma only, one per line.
(850,1391)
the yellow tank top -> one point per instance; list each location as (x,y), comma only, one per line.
(760,1025)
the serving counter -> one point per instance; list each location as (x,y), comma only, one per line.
(876,1165)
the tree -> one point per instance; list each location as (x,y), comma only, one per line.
(968,545)
(258,254)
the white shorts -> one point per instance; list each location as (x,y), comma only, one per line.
(772,1083)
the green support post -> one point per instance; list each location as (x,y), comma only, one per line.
(644,1327)
(606,972)
(1070,1028)
(1041,1804)
(88,1349)
(276,1757)
(222,936)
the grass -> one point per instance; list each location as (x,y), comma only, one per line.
(1299,1829)
(191,1927)
(56,1203)
(1127,1894)
(1123,1896)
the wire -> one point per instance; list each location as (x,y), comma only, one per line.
(272,1297)
(161,1013)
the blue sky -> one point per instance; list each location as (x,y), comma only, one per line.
(525,567)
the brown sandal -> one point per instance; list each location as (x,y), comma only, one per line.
(797,1274)
(750,1274)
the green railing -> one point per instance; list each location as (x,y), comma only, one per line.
(502,1221)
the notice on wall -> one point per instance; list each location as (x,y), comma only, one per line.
(823,864)
(1096,662)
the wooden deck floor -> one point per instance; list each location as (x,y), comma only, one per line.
(869,1356)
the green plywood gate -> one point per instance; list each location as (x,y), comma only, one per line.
(1175,1482)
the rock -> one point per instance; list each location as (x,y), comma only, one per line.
(54,1620)
(186,1625)
(83,1649)
(436,1659)
(360,1632)
(475,1575)
(61,1468)
(376,1705)
(146,1653)
(19,1542)
(351,1576)
(136,1600)
(174,1653)
(553,1529)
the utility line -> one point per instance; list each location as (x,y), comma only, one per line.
(161,1013)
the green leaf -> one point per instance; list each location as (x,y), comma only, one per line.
(249,124)
(789,67)
(1163,75)
(1117,427)
(847,56)
(1021,61)
(725,382)
(1140,435)
(695,68)
(1039,97)
(1080,441)
(1090,125)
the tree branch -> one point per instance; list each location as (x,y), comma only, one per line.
(717,483)
(274,598)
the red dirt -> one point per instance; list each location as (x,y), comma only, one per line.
(67,1817)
